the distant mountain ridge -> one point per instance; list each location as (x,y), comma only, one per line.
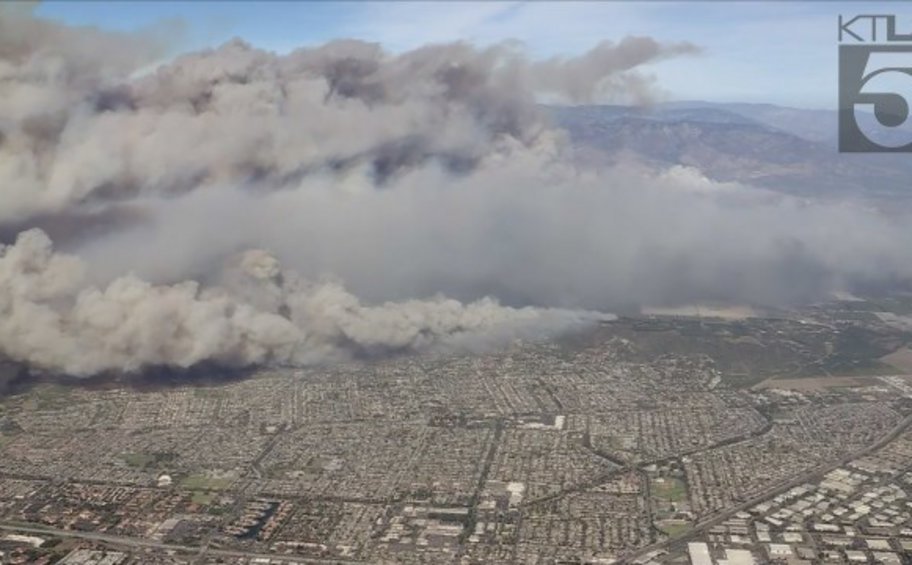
(813,125)
(785,149)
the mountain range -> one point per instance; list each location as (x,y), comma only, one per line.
(784,149)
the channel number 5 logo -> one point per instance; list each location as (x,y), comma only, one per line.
(875,98)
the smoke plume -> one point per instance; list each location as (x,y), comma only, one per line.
(241,207)
(51,318)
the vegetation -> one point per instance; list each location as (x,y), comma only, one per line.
(669,489)
(202,498)
(148,461)
(202,482)
(673,528)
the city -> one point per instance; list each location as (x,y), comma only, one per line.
(455,282)
(592,449)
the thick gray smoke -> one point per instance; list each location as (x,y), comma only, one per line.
(76,130)
(382,184)
(51,318)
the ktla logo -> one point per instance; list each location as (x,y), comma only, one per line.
(875,85)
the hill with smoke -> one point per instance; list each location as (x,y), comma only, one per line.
(407,201)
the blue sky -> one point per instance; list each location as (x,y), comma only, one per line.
(780,52)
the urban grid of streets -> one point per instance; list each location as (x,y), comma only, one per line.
(652,441)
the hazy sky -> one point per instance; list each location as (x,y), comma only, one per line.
(781,52)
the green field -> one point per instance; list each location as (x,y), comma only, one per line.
(139,460)
(863,368)
(202,482)
(147,460)
(48,397)
(202,498)
(673,528)
(668,489)
(209,392)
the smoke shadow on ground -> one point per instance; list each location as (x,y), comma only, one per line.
(17,379)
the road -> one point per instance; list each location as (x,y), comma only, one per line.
(140,543)
(201,551)
(809,476)
(204,549)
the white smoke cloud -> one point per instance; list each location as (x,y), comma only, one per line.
(52,319)
(379,184)
(76,129)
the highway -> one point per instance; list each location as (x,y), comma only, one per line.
(811,475)
(140,543)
